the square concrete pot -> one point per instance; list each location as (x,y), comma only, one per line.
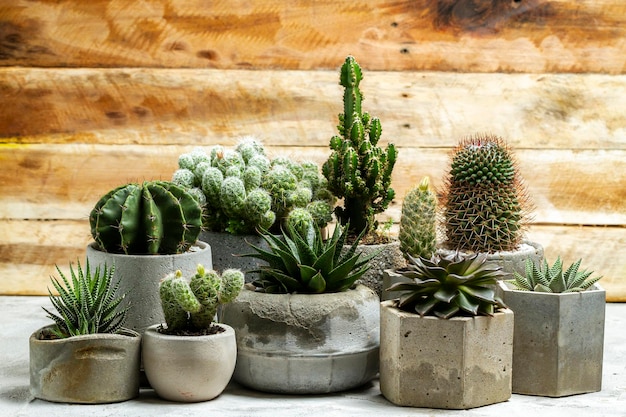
(458,363)
(559,341)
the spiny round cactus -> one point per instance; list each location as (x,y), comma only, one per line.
(191,305)
(156,217)
(485,204)
(418,226)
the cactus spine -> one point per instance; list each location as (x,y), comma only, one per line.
(358,170)
(156,217)
(191,306)
(485,204)
(418,222)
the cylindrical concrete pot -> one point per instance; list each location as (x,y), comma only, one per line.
(390,257)
(88,369)
(305,343)
(139,277)
(189,368)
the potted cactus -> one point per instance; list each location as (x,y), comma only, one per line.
(86,356)
(303,327)
(359,171)
(486,208)
(242,190)
(559,329)
(447,342)
(147,230)
(191,358)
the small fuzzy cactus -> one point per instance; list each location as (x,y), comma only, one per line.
(418,222)
(485,204)
(156,217)
(190,306)
(358,170)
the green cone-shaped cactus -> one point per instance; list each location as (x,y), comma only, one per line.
(485,204)
(156,217)
(418,225)
(191,306)
(358,170)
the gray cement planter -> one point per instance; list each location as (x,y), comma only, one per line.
(459,363)
(559,341)
(390,258)
(88,369)
(391,277)
(139,277)
(305,343)
(189,368)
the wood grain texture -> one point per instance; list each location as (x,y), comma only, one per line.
(444,35)
(294,108)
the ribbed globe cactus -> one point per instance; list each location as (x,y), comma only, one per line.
(485,204)
(190,306)
(156,217)
(418,221)
(357,169)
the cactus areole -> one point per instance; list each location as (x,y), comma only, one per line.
(156,217)
(358,170)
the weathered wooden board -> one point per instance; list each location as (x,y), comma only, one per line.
(64,181)
(457,35)
(30,249)
(294,108)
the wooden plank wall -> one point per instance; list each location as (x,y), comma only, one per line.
(97,93)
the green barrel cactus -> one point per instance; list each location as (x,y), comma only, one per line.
(485,204)
(418,222)
(358,170)
(190,306)
(156,217)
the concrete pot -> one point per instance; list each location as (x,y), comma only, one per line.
(189,368)
(391,277)
(89,369)
(139,277)
(559,341)
(390,258)
(458,363)
(305,343)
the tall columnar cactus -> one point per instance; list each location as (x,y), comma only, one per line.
(156,217)
(418,222)
(358,170)
(485,204)
(191,305)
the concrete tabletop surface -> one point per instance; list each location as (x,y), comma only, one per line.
(23,315)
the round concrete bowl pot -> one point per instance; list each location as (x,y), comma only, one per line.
(456,363)
(189,368)
(558,342)
(305,343)
(87,369)
(139,277)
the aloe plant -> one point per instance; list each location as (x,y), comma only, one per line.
(553,279)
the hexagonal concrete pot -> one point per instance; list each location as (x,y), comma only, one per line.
(559,341)
(189,368)
(458,363)
(139,277)
(305,343)
(88,369)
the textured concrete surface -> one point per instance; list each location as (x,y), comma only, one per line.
(23,315)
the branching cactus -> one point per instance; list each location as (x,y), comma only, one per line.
(418,222)
(358,170)
(485,204)
(190,306)
(156,217)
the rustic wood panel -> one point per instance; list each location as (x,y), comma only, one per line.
(65,181)
(294,108)
(30,249)
(447,35)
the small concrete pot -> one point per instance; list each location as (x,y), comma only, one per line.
(389,258)
(305,343)
(88,369)
(391,277)
(189,368)
(139,277)
(559,341)
(458,363)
